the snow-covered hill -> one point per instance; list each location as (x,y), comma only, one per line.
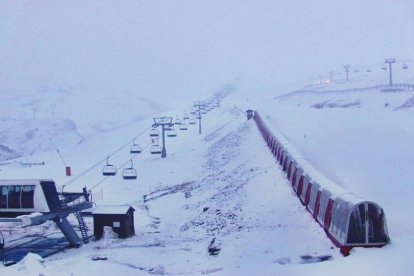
(81,79)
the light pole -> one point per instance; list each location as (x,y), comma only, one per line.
(347,71)
(163,122)
(199,104)
(390,61)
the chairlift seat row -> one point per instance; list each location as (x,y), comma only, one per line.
(135,148)
(108,169)
(172,133)
(130,172)
(154,132)
(155,149)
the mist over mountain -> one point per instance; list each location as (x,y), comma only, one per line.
(189,48)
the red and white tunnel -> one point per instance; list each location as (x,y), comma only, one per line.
(347,220)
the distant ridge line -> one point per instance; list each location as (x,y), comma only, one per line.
(383,87)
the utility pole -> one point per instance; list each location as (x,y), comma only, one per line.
(163,122)
(390,61)
(199,104)
(347,71)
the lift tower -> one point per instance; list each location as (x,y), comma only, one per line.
(163,122)
(199,105)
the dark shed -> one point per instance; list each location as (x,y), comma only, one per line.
(120,218)
(250,114)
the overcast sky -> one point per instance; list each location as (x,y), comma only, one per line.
(190,46)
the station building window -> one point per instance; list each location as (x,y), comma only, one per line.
(27,196)
(3,196)
(17,196)
(14,196)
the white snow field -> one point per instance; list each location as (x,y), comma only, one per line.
(80,79)
(225,184)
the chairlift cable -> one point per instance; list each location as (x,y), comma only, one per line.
(235,107)
(104,159)
(58,152)
(120,167)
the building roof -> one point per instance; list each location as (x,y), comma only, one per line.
(112,209)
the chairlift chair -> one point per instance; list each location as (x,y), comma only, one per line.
(192,121)
(154,132)
(108,169)
(183,127)
(135,148)
(172,132)
(129,173)
(405,66)
(155,149)
(178,121)
(384,67)
(186,116)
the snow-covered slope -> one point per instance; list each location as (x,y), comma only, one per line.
(90,75)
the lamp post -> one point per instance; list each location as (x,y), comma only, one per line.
(390,61)
(199,104)
(347,71)
(163,122)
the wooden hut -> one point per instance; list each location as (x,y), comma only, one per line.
(120,218)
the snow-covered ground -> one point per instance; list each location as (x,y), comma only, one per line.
(231,190)
(225,184)
(80,80)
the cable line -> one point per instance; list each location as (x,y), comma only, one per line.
(120,167)
(104,159)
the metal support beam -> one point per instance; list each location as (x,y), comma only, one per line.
(390,61)
(199,104)
(163,122)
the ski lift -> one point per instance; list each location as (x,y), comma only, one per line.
(368,70)
(129,173)
(192,121)
(178,121)
(183,127)
(135,148)
(154,132)
(155,149)
(384,67)
(405,66)
(172,132)
(108,169)
(186,116)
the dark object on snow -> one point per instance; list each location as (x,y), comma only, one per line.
(250,114)
(315,259)
(120,218)
(205,209)
(99,258)
(213,248)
